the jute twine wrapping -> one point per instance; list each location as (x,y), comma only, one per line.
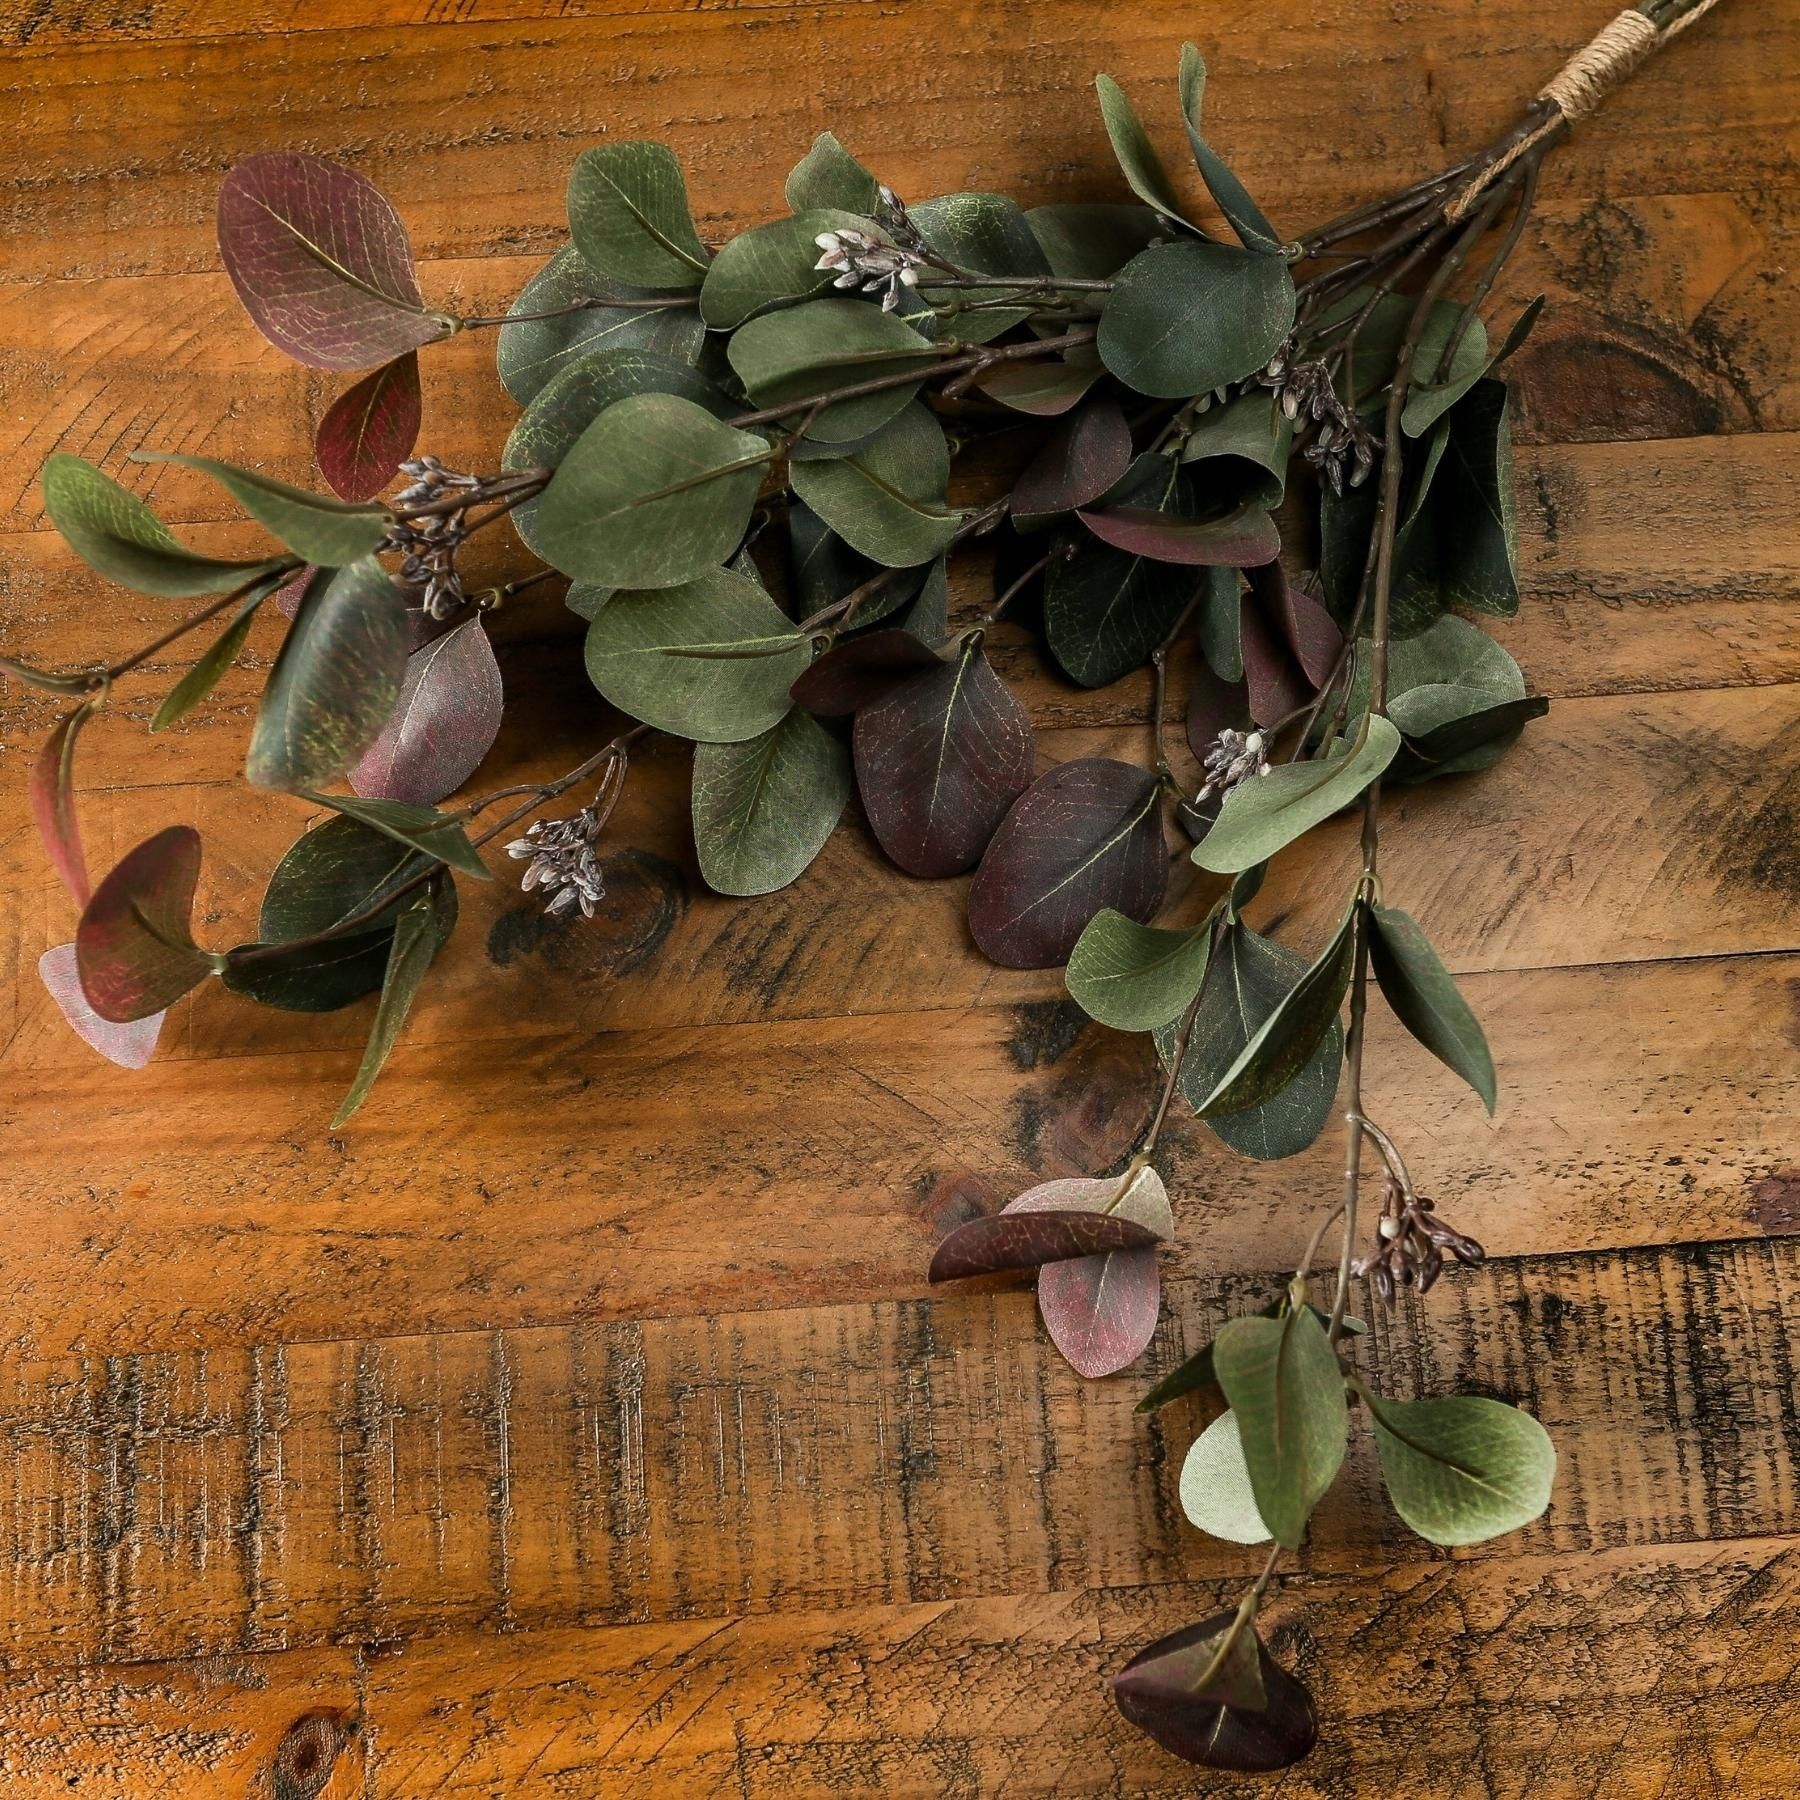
(1579,86)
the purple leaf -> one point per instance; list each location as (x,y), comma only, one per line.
(1043,389)
(1239,540)
(130,1046)
(939,759)
(1308,629)
(1029,1241)
(1154,1692)
(1086,835)
(860,670)
(1101,1311)
(52,794)
(134,946)
(320,260)
(370,429)
(1276,683)
(444,722)
(1081,459)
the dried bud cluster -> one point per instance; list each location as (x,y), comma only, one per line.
(1413,1242)
(867,263)
(429,543)
(563,863)
(1235,757)
(1342,448)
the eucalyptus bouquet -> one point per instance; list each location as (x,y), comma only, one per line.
(745,459)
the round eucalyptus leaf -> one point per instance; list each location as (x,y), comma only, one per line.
(630,219)
(1215,1485)
(655,491)
(772,265)
(1135,977)
(1463,1469)
(887,500)
(712,659)
(829,176)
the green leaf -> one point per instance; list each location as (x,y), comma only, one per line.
(655,491)
(439,835)
(1186,318)
(712,659)
(887,500)
(1267,813)
(1282,1380)
(829,176)
(982,234)
(629,216)
(1246,980)
(321,530)
(1091,242)
(1241,212)
(1464,1469)
(1290,1037)
(773,265)
(1136,977)
(763,808)
(1143,168)
(115,533)
(530,353)
(1379,337)
(418,933)
(822,345)
(1426,999)
(1237,454)
(565,407)
(1215,1485)
(335,681)
(1429,398)
(205,675)
(1198,1372)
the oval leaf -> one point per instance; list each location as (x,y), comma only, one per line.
(1237,541)
(887,498)
(654,492)
(1154,1691)
(1080,460)
(857,672)
(1033,1240)
(130,1046)
(1266,814)
(1135,977)
(134,946)
(320,260)
(939,761)
(630,219)
(711,660)
(770,265)
(331,533)
(444,722)
(334,682)
(115,533)
(1215,1485)
(1186,318)
(1464,1469)
(370,429)
(1426,1000)
(763,808)
(438,835)
(1106,610)
(828,175)
(1086,835)
(1282,1380)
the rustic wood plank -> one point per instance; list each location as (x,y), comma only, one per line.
(1538,1677)
(160,1505)
(1661,324)
(472,129)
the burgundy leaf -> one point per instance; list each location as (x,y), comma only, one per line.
(1080,460)
(1101,1311)
(1042,388)
(1309,631)
(860,670)
(1211,1732)
(1277,684)
(1086,835)
(1214,705)
(1212,1662)
(939,759)
(130,1046)
(1240,540)
(288,597)
(1032,1240)
(370,430)
(134,946)
(320,260)
(444,722)
(52,793)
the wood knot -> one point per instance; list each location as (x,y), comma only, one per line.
(307,1754)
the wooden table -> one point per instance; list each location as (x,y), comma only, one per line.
(576,1422)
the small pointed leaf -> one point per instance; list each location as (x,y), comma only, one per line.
(370,429)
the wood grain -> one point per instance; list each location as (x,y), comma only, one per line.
(668,1469)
